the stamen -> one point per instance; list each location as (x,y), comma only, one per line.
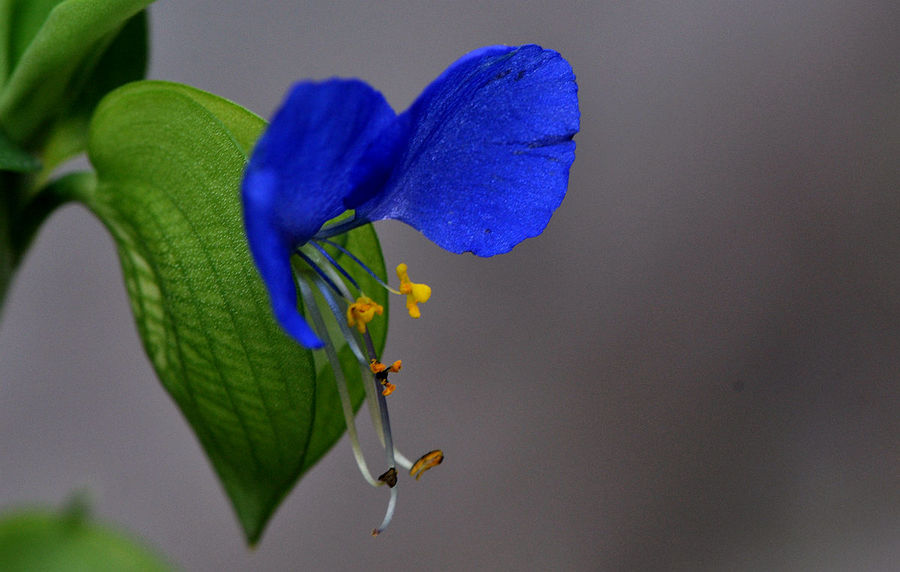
(371,399)
(389,515)
(325,270)
(402,460)
(342,324)
(388,440)
(334,263)
(359,313)
(375,414)
(319,324)
(415,293)
(381,371)
(373,404)
(377,404)
(345,225)
(425,462)
(362,264)
(362,312)
(319,271)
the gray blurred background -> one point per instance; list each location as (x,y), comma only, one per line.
(694,368)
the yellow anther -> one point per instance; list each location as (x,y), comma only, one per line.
(425,462)
(381,372)
(362,312)
(415,293)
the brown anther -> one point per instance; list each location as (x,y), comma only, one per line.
(389,477)
(396,366)
(388,388)
(425,462)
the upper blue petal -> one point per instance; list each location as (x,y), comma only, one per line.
(299,175)
(487,151)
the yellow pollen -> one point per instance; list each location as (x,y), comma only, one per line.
(376,366)
(415,293)
(381,371)
(425,462)
(362,312)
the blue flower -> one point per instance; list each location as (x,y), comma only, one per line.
(478,163)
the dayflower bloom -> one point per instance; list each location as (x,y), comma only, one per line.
(478,163)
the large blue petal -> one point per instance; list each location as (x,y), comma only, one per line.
(299,176)
(489,150)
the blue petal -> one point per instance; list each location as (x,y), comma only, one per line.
(272,255)
(313,147)
(298,178)
(489,150)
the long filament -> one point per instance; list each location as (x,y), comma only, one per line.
(334,263)
(329,284)
(373,393)
(342,324)
(388,440)
(345,395)
(389,514)
(361,264)
(319,271)
(319,324)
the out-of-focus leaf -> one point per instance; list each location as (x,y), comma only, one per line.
(13,158)
(58,58)
(169,162)
(20,21)
(7,253)
(45,541)
(124,60)
(48,70)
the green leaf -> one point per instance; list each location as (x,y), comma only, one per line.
(169,161)
(58,60)
(47,541)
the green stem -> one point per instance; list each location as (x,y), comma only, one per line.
(72,187)
(19,222)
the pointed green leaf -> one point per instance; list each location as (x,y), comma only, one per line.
(42,540)
(54,65)
(169,162)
